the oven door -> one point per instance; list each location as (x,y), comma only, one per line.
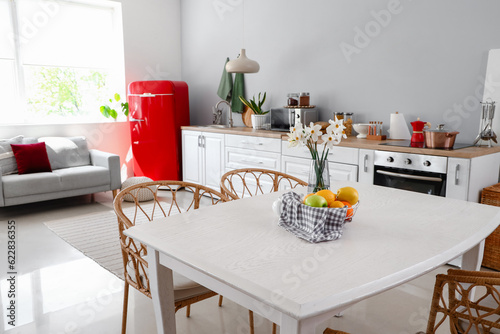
(422,182)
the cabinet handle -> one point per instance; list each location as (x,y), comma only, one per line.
(252,162)
(457,169)
(247,143)
(199,141)
(365,167)
(203,141)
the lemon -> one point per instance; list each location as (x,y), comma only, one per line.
(348,194)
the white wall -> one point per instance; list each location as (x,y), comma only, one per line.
(426,60)
(151,32)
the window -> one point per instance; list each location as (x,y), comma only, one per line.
(59,60)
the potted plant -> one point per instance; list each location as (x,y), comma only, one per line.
(108,111)
(259,117)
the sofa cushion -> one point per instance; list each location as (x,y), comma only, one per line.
(7,160)
(67,152)
(82,177)
(31,158)
(30,184)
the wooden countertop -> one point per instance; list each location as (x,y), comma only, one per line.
(467,153)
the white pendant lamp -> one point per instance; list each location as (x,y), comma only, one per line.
(242,64)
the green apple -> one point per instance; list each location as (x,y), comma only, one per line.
(316,201)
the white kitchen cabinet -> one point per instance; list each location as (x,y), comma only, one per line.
(252,152)
(342,172)
(298,167)
(203,158)
(457,178)
(467,177)
(366,167)
(342,162)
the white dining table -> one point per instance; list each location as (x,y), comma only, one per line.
(238,250)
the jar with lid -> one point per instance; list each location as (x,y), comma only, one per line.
(348,123)
(293,99)
(338,115)
(304,99)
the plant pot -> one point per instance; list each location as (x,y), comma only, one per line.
(259,121)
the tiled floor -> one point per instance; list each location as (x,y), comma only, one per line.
(61,291)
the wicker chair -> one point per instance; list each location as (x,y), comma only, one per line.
(164,203)
(247,182)
(464,315)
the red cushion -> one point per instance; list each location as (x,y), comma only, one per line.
(31,158)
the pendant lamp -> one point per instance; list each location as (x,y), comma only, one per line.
(242,64)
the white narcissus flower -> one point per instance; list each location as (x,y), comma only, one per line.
(314,131)
(337,127)
(292,139)
(330,139)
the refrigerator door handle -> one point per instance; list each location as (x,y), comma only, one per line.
(136,120)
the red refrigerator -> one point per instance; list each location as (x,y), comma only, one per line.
(157,110)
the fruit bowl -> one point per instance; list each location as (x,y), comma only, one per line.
(313,224)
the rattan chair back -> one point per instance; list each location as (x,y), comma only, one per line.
(451,304)
(169,197)
(247,182)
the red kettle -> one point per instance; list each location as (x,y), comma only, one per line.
(418,132)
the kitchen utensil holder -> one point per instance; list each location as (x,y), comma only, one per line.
(373,137)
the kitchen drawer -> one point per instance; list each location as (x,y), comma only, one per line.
(244,158)
(345,155)
(256,143)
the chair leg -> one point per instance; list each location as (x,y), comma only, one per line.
(92,198)
(125,307)
(274,328)
(250,321)
(115,192)
(220,300)
(188,310)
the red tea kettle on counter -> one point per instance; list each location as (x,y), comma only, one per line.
(417,138)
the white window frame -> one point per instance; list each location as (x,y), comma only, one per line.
(118,68)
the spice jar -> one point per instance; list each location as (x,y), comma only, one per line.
(304,99)
(338,115)
(293,99)
(348,123)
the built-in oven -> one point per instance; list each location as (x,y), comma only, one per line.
(414,172)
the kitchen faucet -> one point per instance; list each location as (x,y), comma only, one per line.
(230,111)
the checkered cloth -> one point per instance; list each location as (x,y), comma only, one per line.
(309,223)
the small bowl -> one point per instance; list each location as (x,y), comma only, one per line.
(361,129)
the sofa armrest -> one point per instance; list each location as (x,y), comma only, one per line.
(2,201)
(111,162)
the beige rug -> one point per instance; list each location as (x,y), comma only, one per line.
(95,235)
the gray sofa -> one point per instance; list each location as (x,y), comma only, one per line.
(76,170)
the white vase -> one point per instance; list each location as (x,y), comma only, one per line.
(259,121)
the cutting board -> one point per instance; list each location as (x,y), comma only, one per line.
(247,117)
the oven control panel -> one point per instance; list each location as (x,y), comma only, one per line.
(419,162)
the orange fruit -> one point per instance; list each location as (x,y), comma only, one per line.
(336,204)
(307,197)
(350,210)
(328,195)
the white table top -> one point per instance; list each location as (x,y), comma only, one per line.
(394,237)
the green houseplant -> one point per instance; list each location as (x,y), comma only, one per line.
(259,117)
(108,111)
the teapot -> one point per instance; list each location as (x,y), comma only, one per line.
(418,132)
